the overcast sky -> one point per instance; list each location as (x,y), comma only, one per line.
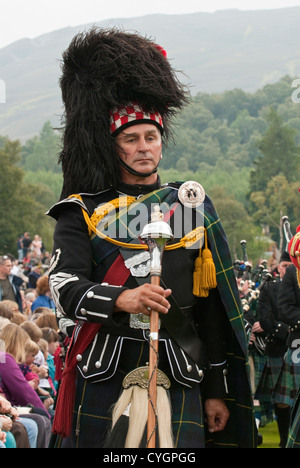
(31,18)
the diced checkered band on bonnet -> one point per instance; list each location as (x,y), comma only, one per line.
(132,114)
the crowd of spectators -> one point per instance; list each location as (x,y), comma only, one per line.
(31,348)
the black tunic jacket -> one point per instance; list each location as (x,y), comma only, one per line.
(79,292)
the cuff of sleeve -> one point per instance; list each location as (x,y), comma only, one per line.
(281,331)
(215,381)
(97,304)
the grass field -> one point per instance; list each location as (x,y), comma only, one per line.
(270,436)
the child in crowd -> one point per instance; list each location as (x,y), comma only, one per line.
(8,308)
(53,340)
(39,365)
(31,350)
(29,297)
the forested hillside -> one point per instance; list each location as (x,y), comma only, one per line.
(244,148)
(212,52)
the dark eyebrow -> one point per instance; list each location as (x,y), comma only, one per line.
(148,132)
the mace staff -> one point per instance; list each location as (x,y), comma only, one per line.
(156,234)
(287,230)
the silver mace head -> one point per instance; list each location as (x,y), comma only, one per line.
(156,234)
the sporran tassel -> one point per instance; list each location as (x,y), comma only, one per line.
(130,415)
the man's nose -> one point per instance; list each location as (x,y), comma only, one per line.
(143,145)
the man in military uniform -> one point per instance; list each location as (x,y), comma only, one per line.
(289,306)
(276,332)
(119,93)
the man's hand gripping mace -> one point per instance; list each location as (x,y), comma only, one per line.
(155,234)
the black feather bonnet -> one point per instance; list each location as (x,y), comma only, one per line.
(104,69)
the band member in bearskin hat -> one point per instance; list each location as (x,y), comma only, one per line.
(120,94)
(289,303)
(276,332)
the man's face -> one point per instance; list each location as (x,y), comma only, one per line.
(5,268)
(282,268)
(140,147)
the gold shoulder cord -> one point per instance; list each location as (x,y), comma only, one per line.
(204,272)
(122,202)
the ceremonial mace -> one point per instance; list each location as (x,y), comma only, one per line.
(287,230)
(156,234)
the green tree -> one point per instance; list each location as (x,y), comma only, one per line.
(41,153)
(19,211)
(237,225)
(280,154)
(277,200)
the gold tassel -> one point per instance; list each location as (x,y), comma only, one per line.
(209,276)
(204,276)
(197,275)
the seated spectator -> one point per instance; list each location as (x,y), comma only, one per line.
(3,322)
(39,365)
(31,350)
(14,385)
(33,330)
(2,439)
(43,295)
(47,319)
(24,430)
(53,340)
(18,318)
(6,426)
(7,308)
(29,296)
(27,368)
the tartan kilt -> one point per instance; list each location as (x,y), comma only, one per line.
(259,365)
(93,403)
(92,409)
(288,382)
(294,432)
(269,378)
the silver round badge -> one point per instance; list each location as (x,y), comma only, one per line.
(191,194)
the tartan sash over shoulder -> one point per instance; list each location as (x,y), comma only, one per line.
(167,196)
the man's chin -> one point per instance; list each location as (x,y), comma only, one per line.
(144,168)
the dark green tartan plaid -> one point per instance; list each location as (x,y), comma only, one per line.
(92,420)
(294,432)
(269,378)
(241,428)
(294,379)
(288,382)
(167,196)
